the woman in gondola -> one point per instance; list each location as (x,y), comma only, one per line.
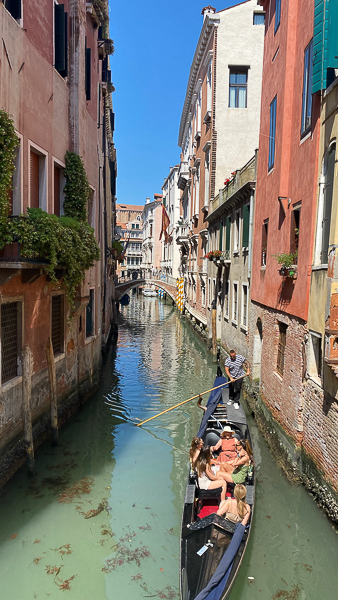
(236,509)
(206,479)
(194,452)
(227,443)
(238,469)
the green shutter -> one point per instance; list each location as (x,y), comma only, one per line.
(332,48)
(325,42)
(246,218)
(221,235)
(228,230)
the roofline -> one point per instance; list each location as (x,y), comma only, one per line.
(234,5)
(208,26)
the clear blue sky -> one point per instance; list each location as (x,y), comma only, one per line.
(155,42)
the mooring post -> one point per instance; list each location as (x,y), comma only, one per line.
(26,358)
(52,387)
(214,339)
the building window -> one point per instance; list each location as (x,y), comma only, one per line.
(226,298)
(228,235)
(272,134)
(245,305)
(307,97)
(315,355)
(90,315)
(209,87)
(209,292)
(238,87)
(203,293)
(235,303)
(37,181)
(258,18)
(329,166)
(60,40)
(277,14)
(265,230)
(14,8)
(57,324)
(246,223)
(88,71)
(206,177)
(295,219)
(237,230)
(91,208)
(281,348)
(59,183)
(11,340)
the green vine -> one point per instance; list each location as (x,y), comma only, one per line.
(8,142)
(77,188)
(58,241)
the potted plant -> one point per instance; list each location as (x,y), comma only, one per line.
(288,263)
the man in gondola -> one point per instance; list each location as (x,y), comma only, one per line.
(234,369)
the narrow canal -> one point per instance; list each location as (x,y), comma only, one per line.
(101,518)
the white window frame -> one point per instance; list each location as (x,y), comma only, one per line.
(243,325)
(235,320)
(312,359)
(61,165)
(43,174)
(226,282)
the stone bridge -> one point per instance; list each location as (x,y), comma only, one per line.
(166,283)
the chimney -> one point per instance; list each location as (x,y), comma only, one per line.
(208,10)
(147,200)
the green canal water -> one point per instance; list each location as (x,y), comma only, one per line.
(101,518)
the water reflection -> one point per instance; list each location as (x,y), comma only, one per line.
(101,519)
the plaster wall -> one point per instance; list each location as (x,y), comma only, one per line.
(239,43)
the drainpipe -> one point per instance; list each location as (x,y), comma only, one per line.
(250,232)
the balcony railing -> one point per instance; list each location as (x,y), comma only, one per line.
(243,176)
(183,174)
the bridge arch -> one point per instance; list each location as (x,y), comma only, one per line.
(123,287)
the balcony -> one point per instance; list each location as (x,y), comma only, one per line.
(244,178)
(183,176)
(182,235)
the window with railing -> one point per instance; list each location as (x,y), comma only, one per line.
(11,340)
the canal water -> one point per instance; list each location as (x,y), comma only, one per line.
(100,520)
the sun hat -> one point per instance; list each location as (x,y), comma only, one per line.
(227,429)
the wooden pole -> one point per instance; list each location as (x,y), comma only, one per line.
(52,387)
(26,358)
(185,401)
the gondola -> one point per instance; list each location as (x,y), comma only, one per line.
(212,548)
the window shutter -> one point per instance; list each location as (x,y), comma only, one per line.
(112,178)
(221,235)
(34,180)
(88,67)
(246,218)
(60,38)
(64,72)
(112,120)
(228,229)
(14,7)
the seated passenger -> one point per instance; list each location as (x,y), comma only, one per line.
(236,509)
(228,443)
(237,471)
(195,449)
(206,479)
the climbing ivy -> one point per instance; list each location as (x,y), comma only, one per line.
(57,241)
(76,189)
(8,142)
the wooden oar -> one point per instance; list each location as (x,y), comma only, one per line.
(189,399)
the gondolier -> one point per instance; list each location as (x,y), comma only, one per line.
(234,369)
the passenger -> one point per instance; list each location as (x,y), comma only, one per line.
(206,479)
(228,443)
(236,509)
(195,449)
(237,470)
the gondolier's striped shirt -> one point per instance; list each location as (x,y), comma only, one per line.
(236,366)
